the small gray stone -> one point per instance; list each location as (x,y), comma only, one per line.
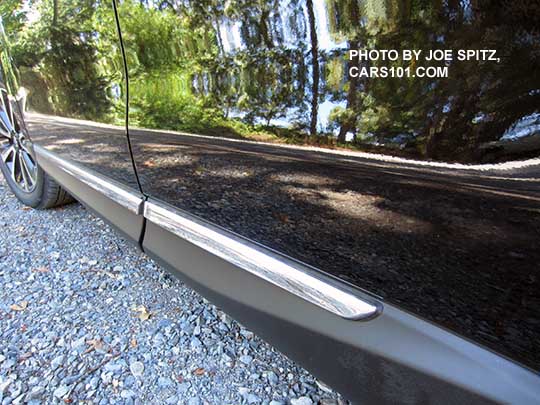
(61,391)
(246,333)
(136,368)
(35,393)
(113,367)
(94,383)
(8,363)
(272,378)
(19,399)
(159,339)
(172,400)
(164,382)
(127,394)
(182,388)
(246,359)
(194,401)
(4,386)
(252,399)
(78,343)
(129,381)
(226,357)
(301,401)
(164,323)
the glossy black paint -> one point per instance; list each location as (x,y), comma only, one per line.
(459,248)
(100,147)
(456,246)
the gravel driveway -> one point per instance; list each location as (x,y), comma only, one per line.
(86,318)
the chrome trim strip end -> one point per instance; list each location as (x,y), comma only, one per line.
(116,192)
(298,279)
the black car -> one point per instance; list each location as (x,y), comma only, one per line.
(230,142)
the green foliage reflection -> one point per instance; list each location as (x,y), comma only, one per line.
(263,69)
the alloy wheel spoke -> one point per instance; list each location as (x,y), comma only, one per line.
(14,165)
(11,112)
(25,176)
(7,154)
(29,161)
(6,116)
(24,147)
(27,169)
(5,125)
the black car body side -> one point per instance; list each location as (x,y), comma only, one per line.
(237,124)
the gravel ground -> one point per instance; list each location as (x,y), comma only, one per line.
(87,318)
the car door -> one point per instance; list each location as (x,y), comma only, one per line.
(67,66)
(250,123)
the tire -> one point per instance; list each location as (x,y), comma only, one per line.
(26,179)
(47,193)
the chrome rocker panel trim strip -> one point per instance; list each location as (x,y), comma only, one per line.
(300,280)
(116,192)
(296,278)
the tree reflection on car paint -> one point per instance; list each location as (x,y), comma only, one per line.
(264,70)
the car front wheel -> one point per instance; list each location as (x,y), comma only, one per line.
(26,179)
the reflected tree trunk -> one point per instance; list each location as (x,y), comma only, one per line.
(353,43)
(218,34)
(263,27)
(315,69)
(55,12)
(349,123)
